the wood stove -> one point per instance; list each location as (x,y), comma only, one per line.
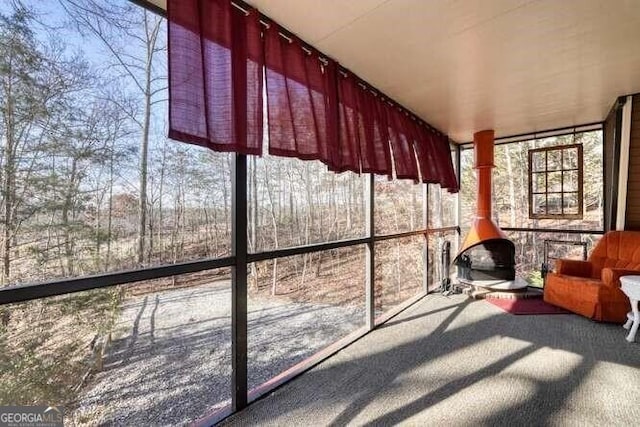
(488,260)
(486,254)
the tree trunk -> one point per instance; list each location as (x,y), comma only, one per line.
(98,219)
(349,206)
(253,217)
(7,223)
(412,210)
(110,215)
(151,38)
(512,189)
(274,222)
(144,152)
(161,195)
(66,225)
(9,172)
(225,195)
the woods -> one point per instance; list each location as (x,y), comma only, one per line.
(52,136)
(89,182)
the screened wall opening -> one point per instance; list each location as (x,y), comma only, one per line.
(512,197)
(179,253)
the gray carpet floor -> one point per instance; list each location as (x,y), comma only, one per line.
(454,361)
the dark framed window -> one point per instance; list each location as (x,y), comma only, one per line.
(555,182)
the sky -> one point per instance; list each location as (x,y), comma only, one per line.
(53,22)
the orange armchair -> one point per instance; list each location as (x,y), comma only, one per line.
(592,288)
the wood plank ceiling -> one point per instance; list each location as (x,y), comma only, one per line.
(515,66)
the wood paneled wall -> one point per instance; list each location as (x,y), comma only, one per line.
(632,220)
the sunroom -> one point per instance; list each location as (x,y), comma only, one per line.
(264,212)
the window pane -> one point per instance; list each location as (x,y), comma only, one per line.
(442,205)
(301,304)
(112,355)
(398,205)
(554,160)
(468,190)
(570,158)
(511,189)
(294,203)
(571,204)
(570,181)
(539,204)
(399,271)
(539,182)
(554,182)
(554,203)
(530,251)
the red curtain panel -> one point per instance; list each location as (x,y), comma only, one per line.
(376,155)
(401,139)
(215,75)
(301,100)
(350,122)
(426,152)
(364,134)
(444,163)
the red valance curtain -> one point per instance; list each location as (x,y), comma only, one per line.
(219,56)
(301,100)
(351,142)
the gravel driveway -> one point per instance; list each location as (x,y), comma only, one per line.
(170,362)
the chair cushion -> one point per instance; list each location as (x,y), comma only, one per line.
(578,294)
(617,249)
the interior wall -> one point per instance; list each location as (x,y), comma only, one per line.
(632,219)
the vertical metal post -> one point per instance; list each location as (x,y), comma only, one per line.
(458,204)
(425,251)
(239,285)
(370,260)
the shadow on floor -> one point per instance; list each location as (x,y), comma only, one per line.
(363,382)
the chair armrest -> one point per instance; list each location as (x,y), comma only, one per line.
(573,267)
(611,276)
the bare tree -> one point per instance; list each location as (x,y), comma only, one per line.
(105,22)
(35,81)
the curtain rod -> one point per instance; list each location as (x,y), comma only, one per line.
(549,133)
(309,49)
